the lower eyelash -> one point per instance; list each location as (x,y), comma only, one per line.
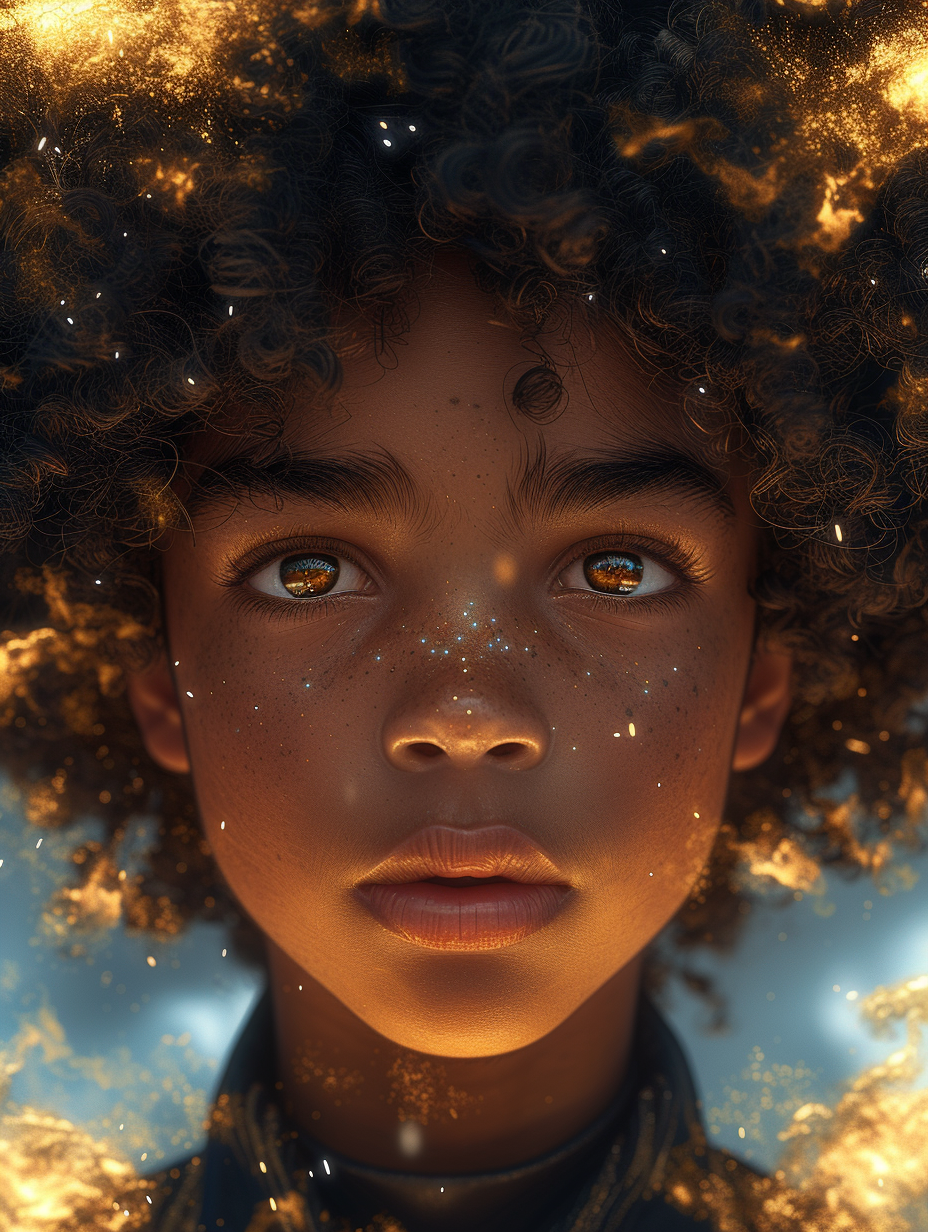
(666,599)
(283,610)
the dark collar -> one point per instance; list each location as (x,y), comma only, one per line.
(609,1176)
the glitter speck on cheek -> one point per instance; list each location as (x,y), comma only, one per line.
(189,694)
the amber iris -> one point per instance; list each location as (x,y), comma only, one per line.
(615,573)
(304,576)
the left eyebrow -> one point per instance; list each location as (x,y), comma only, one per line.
(550,487)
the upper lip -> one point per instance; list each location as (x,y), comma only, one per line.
(446,851)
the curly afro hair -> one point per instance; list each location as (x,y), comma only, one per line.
(179,239)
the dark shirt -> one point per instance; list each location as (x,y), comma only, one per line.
(642,1166)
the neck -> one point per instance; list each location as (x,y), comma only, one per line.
(366,1097)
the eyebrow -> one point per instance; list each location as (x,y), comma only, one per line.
(547,486)
(354,482)
(551,486)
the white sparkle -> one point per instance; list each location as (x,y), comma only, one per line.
(230,310)
(328,1170)
(38,845)
(412,128)
(42,143)
(191,381)
(189,694)
(387,141)
(838,535)
(70,320)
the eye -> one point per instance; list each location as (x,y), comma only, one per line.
(617,573)
(309,575)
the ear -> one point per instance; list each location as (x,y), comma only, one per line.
(154,703)
(767,698)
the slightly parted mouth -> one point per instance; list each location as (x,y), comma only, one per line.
(456,858)
(445,888)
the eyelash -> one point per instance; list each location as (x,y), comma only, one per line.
(670,553)
(235,574)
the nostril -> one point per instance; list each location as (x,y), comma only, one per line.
(422,748)
(507,750)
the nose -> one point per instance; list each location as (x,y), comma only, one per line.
(465,733)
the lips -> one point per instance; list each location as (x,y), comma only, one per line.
(450,889)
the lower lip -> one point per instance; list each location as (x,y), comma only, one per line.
(474,917)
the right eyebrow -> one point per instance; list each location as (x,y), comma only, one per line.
(353,482)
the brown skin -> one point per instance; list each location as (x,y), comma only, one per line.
(499,1054)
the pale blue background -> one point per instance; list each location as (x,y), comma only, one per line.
(145,1048)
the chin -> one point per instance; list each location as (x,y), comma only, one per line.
(458,1015)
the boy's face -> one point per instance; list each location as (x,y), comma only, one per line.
(477,622)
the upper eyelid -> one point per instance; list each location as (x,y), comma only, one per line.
(670,554)
(260,556)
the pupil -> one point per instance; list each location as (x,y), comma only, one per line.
(304,576)
(616,573)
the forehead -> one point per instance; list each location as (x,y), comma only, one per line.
(432,415)
(457,370)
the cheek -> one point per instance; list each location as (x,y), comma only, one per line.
(276,740)
(647,759)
